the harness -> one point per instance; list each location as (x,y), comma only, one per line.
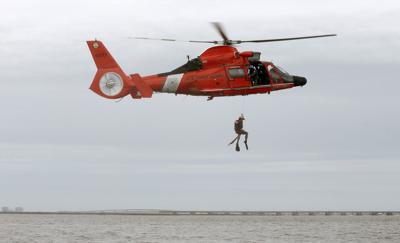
(238,125)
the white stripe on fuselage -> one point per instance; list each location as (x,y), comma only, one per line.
(172,83)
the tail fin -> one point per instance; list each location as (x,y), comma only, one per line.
(110,81)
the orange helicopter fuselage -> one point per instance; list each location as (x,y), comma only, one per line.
(219,71)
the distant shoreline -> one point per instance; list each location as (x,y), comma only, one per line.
(215,213)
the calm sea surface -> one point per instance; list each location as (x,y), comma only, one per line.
(111,228)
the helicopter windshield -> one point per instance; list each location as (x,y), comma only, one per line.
(278,72)
(282,70)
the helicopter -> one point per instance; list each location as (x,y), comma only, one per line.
(219,71)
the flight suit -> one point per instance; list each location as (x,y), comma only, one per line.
(239,130)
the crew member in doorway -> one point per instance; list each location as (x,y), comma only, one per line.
(253,75)
(239,131)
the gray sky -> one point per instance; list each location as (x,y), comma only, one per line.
(331,145)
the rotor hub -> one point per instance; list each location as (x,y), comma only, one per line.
(111,84)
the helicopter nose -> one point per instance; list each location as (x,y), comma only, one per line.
(299,81)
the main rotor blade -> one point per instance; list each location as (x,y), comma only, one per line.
(232,42)
(283,39)
(146,38)
(167,39)
(221,31)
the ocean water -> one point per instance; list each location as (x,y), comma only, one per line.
(132,228)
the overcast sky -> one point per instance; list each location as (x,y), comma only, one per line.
(330,145)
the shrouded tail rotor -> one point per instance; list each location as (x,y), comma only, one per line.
(111,84)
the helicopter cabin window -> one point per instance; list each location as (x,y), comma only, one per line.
(236,72)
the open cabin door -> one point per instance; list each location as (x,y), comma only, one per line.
(258,74)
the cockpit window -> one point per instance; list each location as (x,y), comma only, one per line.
(274,72)
(282,70)
(278,72)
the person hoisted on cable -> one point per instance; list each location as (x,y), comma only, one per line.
(239,131)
